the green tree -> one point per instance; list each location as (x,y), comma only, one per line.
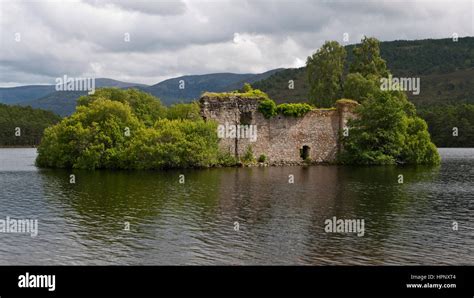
(92,137)
(173,144)
(107,134)
(189,111)
(325,71)
(359,88)
(365,71)
(145,106)
(418,148)
(387,132)
(367,60)
(378,134)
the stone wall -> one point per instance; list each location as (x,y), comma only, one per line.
(280,138)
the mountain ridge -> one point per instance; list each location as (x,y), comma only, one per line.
(64,102)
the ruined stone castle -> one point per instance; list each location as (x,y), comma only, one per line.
(282,139)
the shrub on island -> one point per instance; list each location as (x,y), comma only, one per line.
(111,130)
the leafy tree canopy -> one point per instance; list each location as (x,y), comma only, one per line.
(367,60)
(387,130)
(116,133)
(144,105)
(325,70)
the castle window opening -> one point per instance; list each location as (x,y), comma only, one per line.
(304,152)
(245,118)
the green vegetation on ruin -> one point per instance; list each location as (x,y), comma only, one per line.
(294,109)
(266,106)
(347,101)
(246,92)
(269,109)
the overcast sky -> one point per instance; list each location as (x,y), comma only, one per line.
(173,38)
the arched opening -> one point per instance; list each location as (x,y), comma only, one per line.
(304,152)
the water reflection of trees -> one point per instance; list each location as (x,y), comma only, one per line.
(372,194)
(285,222)
(101,201)
(280,222)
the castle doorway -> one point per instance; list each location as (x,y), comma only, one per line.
(304,152)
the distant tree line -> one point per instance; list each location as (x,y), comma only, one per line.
(23,126)
(450,125)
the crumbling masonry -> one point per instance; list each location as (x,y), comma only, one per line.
(282,139)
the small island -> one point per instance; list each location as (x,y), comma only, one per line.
(349,119)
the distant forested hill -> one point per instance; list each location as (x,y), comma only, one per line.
(446,72)
(64,102)
(169,92)
(31,123)
(15,95)
(46,97)
(60,102)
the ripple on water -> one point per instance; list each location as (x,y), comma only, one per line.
(279,223)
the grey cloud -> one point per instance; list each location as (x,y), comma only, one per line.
(166,7)
(190,37)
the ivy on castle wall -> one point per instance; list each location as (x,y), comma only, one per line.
(269,109)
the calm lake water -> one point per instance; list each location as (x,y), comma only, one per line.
(279,222)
